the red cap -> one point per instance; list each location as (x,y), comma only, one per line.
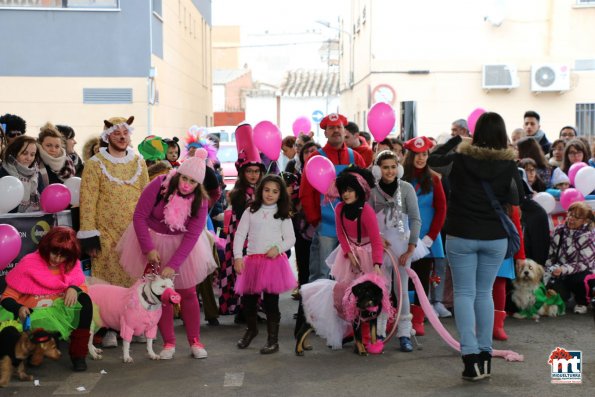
(419,144)
(333,119)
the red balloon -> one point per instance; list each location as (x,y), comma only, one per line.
(55,198)
(320,172)
(10,244)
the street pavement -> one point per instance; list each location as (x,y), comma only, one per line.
(433,369)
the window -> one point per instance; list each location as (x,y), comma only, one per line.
(585,3)
(60,4)
(585,119)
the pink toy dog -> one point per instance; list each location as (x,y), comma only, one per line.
(133,311)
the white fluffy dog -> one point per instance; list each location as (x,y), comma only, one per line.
(530,295)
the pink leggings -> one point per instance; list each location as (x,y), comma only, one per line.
(190,315)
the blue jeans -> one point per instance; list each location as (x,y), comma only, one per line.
(437,293)
(321,248)
(474,265)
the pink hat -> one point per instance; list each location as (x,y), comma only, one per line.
(194,167)
(247,151)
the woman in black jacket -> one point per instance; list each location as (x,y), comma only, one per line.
(476,241)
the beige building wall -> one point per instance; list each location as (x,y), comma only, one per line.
(59,100)
(183,82)
(184,75)
(225,38)
(452,41)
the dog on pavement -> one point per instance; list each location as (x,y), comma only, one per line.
(16,347)
(132,311)
(531,296)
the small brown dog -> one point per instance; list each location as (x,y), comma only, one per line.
(16,347)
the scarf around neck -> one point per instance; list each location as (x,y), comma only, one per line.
(55,163)
(29,178)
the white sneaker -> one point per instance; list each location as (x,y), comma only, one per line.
(440,310)
(198,350)
(168,352)
(580,309)
(110,339)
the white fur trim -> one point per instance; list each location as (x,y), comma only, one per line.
(105,133)
(82,234)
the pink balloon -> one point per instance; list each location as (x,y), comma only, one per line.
(574,168)
(10,244)
(267,139)
(381,120)
(320,172)
(301,125)
(55,198)
(570,196)
(472,119)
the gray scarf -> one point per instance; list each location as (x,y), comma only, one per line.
(29,177)
(538,135)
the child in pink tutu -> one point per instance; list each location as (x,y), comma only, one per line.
(360,247)
(265,269)
(167,229)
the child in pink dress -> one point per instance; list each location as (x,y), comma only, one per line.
(168,232)
(265,269)
(360,252)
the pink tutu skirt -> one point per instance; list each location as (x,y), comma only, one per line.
(197,266)
(340,264)
(264,274)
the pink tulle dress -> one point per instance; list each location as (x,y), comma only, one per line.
(261,273)
(187,248)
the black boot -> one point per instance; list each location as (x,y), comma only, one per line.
(251,330)
(471,371)
(272,345)
(485,364)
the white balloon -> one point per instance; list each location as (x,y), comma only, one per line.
(74,185)
(584,180)
(546,200)
(12,192)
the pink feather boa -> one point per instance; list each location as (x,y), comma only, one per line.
(350,310)
(178,209)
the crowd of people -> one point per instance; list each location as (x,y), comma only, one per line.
(435,207)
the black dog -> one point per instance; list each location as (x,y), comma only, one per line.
(369,305)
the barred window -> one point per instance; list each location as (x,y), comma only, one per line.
(585,119)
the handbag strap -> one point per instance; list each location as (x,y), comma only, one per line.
(492,197)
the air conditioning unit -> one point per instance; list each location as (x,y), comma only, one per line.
(550,77)
(499,77)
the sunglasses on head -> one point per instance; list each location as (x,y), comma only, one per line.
(13,134)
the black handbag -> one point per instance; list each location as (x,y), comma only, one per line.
(514,240)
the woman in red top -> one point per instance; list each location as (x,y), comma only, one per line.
(432,208)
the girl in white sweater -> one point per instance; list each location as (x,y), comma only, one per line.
(265,269)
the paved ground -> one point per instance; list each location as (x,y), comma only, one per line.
(434,370)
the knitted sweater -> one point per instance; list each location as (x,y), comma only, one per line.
(572,250)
